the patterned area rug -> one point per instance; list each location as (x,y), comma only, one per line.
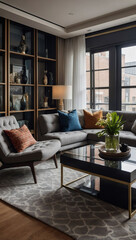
(80,216)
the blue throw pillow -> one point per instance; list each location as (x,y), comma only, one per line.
(69,121)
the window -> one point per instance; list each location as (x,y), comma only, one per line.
(111,78)
(128,78)
(88,79)
(97,75)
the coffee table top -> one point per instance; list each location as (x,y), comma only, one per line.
(87,158)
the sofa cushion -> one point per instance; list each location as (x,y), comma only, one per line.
(49,123)
(67,138)
(92,135)
(133,129)
(40,151)
(21,138)
(128,137)
(129,118)
(80,113)
(6,123)
(91,119)
(69,121)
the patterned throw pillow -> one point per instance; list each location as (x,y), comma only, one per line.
(91,119)
(21,138)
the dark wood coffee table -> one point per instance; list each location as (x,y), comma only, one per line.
(116,177)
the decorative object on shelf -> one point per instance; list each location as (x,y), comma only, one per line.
(27,100)
(23,103)
(24,77)
(50,78)
(23,122)
(11,103)
(46,53)
(23,48)
(112,125)
(61,92)
(16,102)
(45,78)
(45,103)
(17,78)
(11,78)
(116,156)
(124,147)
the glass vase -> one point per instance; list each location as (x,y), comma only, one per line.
(111,143)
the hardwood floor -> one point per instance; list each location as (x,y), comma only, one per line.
(19,226)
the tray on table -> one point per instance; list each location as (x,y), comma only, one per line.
(116,156)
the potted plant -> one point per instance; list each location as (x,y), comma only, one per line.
(111,127)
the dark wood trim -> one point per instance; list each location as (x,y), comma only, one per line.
(22,54)
(21,84)
(34,87)
(111,31)
(55,160)
(42,85)
(3,84)
(3,112)
(3,50)
(47,59)
(56,60)
(27,110)
(33,172)
(7,55)
(46,109)
(36,82)
(25,164)
(5,72)
(8,68)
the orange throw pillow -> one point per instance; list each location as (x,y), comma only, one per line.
(21,138)
(91,119)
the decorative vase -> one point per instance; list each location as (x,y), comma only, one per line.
(45,78)
(23,103)
(46,53)
(50,78)
(45,103)
(17,78)
(23,47)
(24,77)
(111,143)
(27,100)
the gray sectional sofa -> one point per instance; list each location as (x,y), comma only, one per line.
(49,128)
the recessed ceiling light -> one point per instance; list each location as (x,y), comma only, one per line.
(71,13)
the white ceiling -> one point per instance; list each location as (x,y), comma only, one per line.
(68,18)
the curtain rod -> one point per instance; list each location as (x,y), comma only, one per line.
(111,31)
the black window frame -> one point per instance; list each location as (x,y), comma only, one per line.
(115,82)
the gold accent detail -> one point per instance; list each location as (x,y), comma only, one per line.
(131,213)
(111,31)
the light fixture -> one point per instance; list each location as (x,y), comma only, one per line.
(61,92)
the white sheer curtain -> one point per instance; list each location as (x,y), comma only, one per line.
(79,73)
(74,70)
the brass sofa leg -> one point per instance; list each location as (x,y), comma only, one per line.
(33,172)
(55,161)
